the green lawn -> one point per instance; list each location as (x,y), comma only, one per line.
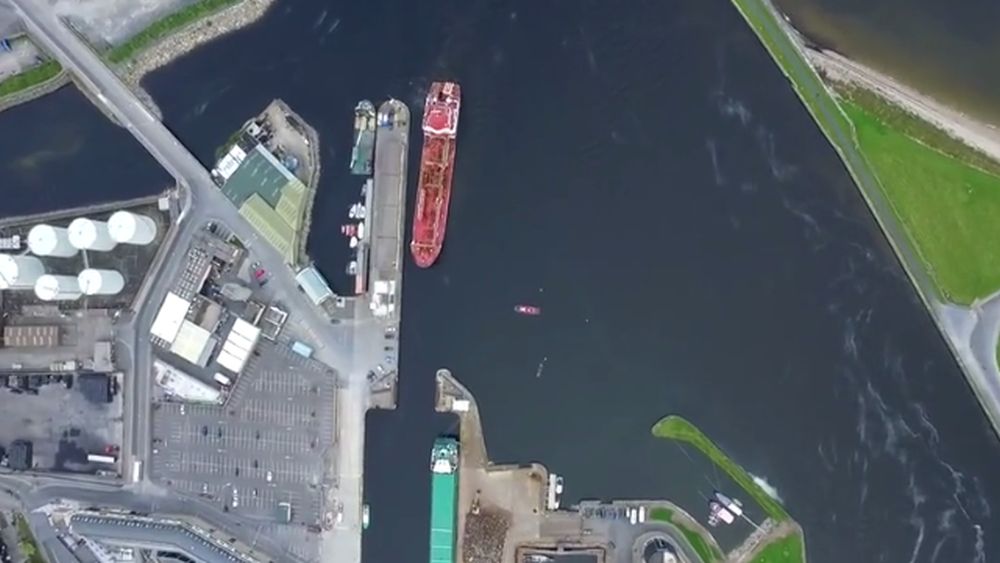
(676,428)
(950,209)
(165,27)
(26,541)
(709,553)
(786,550)
(31,77)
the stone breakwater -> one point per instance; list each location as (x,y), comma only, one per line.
(192,36)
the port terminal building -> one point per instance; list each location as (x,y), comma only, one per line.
(267,194)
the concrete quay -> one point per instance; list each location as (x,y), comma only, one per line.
(385,248)
(503,513)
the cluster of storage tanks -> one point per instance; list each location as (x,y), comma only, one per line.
(24,271)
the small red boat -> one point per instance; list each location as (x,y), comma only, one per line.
(527,310)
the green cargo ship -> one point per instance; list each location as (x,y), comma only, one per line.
(444,490)
(362,155)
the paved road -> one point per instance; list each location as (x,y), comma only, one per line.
(202,202)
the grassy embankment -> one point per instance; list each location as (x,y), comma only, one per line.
(708,552)
(676,428)
(804,81)
(944,193)
(788,549)
(164,27)
(29,78)
(26,541)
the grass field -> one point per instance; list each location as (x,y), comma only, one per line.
(676,428)
(165,26)
(786,550)
(708,552)
(948,207)
(31,77)
(26,541)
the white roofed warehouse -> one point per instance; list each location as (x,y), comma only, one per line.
(238,346)
(168,320)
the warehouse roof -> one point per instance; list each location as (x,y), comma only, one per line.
(193,343)
(168,320)
(239,345)
(314,284)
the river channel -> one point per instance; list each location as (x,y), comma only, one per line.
(642,172)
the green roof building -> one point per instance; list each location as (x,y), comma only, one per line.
(271,198)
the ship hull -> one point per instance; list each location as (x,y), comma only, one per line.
(437,164)
(444,500)
(363,152)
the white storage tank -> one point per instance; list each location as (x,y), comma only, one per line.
(131,228)
(19,272)
(57,288)
(100,282)
(46,240)
(87,234)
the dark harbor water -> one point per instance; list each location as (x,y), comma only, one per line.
(642,172)
(60,151)
(950,50)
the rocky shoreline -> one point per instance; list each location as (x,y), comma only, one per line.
(190,37)
(36,91)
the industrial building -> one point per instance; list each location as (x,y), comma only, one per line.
(314,285)
(267,194)
(168,319)
(193,343)
(28,336)
(182,385)
(95,387)
(160,536)
(239,345)
(20,457)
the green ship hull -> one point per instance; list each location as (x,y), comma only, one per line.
(444,493)
(362,155)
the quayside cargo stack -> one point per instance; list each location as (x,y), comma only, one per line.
(444,497)
(437,165)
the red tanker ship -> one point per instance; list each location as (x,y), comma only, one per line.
(437,164)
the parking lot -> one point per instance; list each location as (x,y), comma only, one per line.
(268,444)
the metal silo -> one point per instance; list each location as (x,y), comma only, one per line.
(19,272)
(131,228)
(57,288)
(87,234)
(46,240)
(100,282)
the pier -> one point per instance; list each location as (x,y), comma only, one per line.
(382,256)
(502,513)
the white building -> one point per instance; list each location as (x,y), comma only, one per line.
(179,384)
(238,346)
(168,320)
(193,343)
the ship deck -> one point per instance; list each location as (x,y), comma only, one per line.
(443,496)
